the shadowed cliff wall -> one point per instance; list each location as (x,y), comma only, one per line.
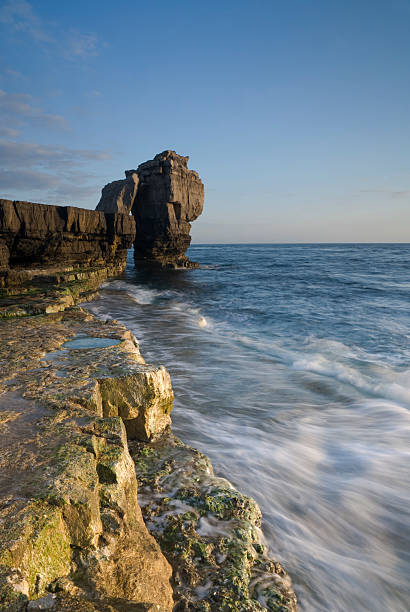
(42,236)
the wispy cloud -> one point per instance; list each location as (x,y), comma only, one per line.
(404,193)
(95,93)
(6,132)
(19,17)
(23,153)
(20,109)
(49,173)
(34,179)
(80,45)
(14,74)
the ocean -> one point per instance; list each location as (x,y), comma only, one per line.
(291,371)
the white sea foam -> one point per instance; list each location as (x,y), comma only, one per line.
(212,526)
(388,388)
(371,374)
(139,293)
(172,300)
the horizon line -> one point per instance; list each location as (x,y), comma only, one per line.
(290,243)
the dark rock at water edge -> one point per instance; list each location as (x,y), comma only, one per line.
(42,236)
(164,197)
(54,256)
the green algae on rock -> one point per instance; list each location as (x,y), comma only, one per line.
(208,531)
(54,290)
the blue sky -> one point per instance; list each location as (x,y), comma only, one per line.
(296,114)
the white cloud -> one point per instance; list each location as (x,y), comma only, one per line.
(80,45)
(18,16)
(49,173)
(19,108)
(6,132)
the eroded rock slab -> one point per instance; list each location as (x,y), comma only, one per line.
(110,380)
(69,515)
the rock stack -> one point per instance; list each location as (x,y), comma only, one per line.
(164,197)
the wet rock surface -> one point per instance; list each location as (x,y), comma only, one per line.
(164,197)
(70,520)
(44,291)
(109,381)
(84,427)
(209,532)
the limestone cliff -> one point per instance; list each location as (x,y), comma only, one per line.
(85,438)
(164,197)
(37,237)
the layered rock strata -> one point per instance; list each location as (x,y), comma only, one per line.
(164,197)
(37,241)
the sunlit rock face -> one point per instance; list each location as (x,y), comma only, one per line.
(164,197)
(119,196)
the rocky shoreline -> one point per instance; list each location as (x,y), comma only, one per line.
(102,508)
(85,425)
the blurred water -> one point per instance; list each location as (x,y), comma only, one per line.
(291,370)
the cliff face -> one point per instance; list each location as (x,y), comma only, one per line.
(52,237)
(164,197)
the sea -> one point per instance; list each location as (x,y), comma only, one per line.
(291,370)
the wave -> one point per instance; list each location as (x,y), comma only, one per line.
(140,294)
(390,390)
(373,375)
(170,299)
(368,373)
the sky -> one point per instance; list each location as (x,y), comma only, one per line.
(295,113)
